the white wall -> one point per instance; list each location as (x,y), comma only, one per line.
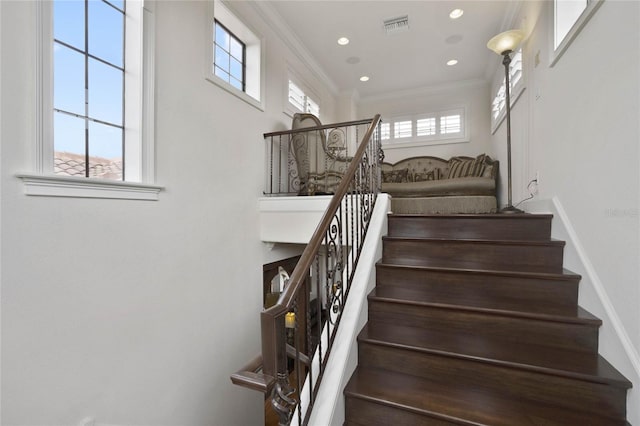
(578,126)
(134,312)
(473,94)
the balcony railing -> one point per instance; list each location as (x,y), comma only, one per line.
(299,330)
(311,160)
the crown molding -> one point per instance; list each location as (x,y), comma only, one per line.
(427,90)
(276,22)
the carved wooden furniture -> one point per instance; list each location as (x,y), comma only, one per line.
(320,155)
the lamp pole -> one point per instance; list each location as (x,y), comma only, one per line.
(504,44)
(506,61)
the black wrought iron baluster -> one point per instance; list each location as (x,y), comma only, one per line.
(316,265)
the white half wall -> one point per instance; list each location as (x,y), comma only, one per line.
(329,408)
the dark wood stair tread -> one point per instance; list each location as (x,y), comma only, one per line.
(565,275)
(491,226)
(534,256)
(543,359)
(458,403)
(499,216)
(581,316)
(552,242)
(504,303)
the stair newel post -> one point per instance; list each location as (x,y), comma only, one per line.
(274,349)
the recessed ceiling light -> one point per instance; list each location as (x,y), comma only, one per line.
(364,78)
(452,62)
(343,41)
(456,13)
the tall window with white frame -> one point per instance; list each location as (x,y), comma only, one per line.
(229,58)
(89,88)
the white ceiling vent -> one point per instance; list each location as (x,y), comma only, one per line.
(397,25)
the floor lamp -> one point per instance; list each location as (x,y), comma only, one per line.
(504,44)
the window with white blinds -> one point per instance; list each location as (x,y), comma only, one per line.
(516,82)
(426,126)
(385,131)
(300,101)
(402,129)
(436,127)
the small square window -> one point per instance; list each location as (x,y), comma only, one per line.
(450,124)
(426,126)
(402,129)
(229,57)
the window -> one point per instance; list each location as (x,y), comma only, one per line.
(426,126)
(94,114)
(569,17)
(88,88)
(234,56)
(402,129)
(438,127)
(566,14)
(517,86)
(229,58)
(385,131)
(301,101)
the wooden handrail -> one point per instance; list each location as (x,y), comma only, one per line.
(315,128)
(349,211)
(271,318)
(249,376)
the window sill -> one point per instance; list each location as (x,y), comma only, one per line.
(65,186)
(235,92)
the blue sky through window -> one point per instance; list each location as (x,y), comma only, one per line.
(228,57)
(88,54)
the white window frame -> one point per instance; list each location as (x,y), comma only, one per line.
(289,108)
(517,83)
(139,119)
(254,92)
(436,139)
(557,49)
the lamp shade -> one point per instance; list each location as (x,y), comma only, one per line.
(506,41)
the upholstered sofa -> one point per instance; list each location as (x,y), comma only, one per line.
(435,185)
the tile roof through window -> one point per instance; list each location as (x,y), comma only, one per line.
(70,164)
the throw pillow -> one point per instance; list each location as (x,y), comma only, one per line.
(460,168)
(422,177)
(395,176)
(480,165)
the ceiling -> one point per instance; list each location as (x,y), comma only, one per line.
(404,60)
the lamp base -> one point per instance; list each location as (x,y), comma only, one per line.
(511,210)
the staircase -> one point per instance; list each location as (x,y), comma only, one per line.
(474,321)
